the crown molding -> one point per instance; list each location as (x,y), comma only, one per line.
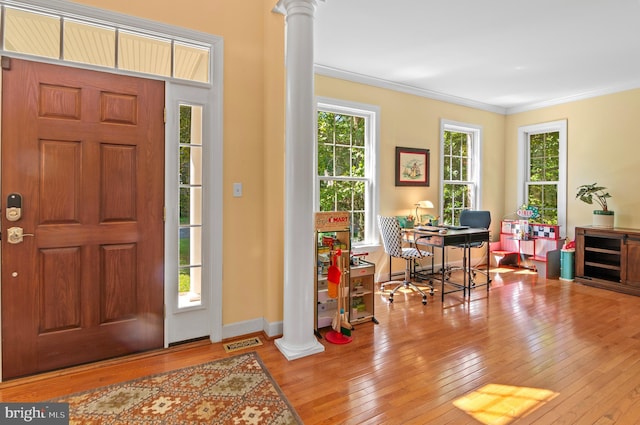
(574,98)
(403,88)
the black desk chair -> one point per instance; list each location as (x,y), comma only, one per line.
(475,220)
(392,240)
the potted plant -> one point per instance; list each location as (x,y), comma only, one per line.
(590,193)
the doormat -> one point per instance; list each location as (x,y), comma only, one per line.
(230,347)
(233,390)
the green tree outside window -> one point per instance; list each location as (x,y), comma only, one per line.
(341,167)
(544,175)
(458,187)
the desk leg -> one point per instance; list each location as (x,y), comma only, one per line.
(466,273)
(442,271)
(488,266)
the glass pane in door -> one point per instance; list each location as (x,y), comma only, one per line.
(190,191)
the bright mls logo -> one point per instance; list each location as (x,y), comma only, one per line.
(34,413)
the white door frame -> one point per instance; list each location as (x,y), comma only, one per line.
(205,319)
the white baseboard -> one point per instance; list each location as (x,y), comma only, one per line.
(272,329)
(234,330)
(241,328)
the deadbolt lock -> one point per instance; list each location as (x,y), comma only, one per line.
(14,207)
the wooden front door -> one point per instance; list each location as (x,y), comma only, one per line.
(85,151)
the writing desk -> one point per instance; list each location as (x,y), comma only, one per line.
(460,237)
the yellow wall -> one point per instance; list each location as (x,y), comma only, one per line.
(253,141)
(601,144)
(412,121)
(602,147)
(273,160)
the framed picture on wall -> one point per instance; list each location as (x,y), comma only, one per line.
(412,167)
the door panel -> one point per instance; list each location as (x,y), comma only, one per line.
(86,152)
(631,271)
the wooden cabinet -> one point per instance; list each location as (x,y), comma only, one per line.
(608,258)
(361,292)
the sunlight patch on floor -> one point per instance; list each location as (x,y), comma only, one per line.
(498,270)
(526,271)
(496,404)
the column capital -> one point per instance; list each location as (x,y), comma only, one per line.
(286,6)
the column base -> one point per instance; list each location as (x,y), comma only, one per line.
(293,353)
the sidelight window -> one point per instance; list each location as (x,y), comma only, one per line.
(190,227)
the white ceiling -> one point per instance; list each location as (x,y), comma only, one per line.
(500,55)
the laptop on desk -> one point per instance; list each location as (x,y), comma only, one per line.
(456,227)
(428,228)
(438,228)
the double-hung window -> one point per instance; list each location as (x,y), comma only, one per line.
(542,170)
(460,165)
(347,135)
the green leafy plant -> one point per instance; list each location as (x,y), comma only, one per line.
(588,193)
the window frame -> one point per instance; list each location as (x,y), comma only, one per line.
(371,113)
(524,163)
(131,25)
(475,156)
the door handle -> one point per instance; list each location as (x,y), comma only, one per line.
(16,234)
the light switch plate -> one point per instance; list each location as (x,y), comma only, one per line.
(237,190)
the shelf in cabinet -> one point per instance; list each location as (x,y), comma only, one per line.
(325,320)
(362,315)
(602,250)
(602,265)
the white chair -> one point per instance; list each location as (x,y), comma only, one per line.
(393,245)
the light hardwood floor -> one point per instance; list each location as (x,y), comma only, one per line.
(579,347)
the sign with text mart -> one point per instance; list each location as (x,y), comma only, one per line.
(328,221)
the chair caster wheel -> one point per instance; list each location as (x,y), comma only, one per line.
(424,300)
(390,299)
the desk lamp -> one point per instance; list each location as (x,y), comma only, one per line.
(422,204)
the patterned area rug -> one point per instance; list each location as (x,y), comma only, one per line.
(234,390)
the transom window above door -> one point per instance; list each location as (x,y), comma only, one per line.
(52,34)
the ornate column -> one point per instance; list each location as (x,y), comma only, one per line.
(298,339)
